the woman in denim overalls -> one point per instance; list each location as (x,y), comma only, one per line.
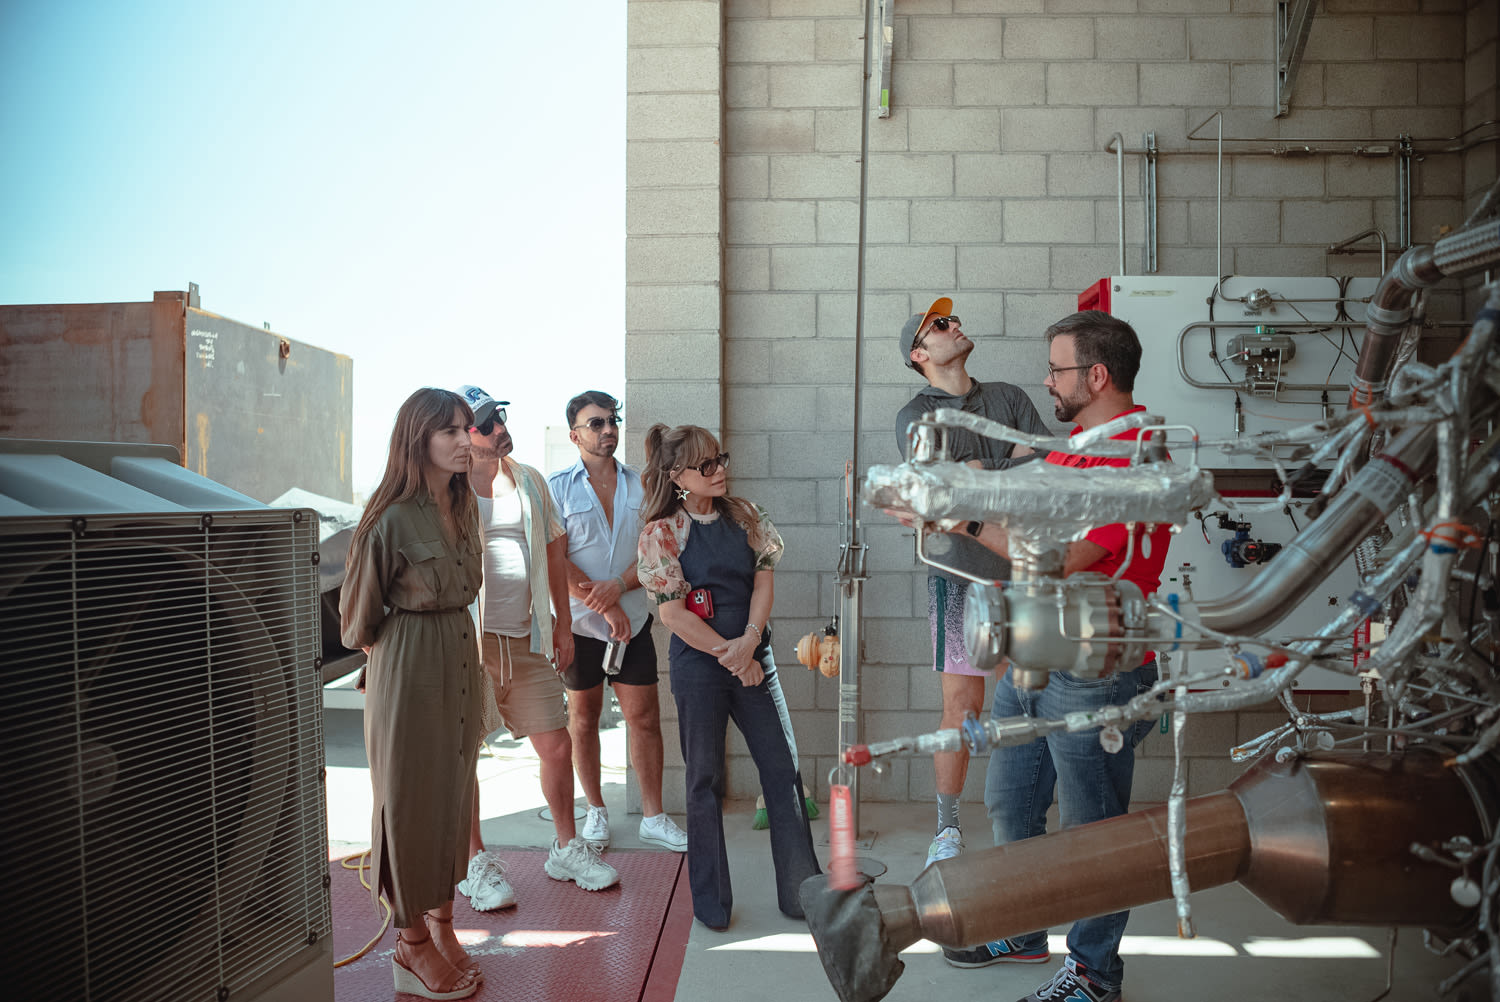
(707,560)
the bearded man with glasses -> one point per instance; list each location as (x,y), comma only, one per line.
(600,501)
(934,344)
(1093,359)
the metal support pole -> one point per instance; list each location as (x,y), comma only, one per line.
(851,578)
(1293,22)
(1404,156)
(851,573)
(1148,182)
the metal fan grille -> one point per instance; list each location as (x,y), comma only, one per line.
(162,720)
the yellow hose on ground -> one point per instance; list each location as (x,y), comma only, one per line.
(362,864)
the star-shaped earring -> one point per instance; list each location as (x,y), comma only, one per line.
(682,493)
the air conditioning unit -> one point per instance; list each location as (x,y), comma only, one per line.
(164,825)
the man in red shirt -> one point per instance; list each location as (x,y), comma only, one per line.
(1093,359)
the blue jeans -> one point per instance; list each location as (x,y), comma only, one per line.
(1091,785)
(708,697)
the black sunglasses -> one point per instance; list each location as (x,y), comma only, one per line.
(596,424)
(709,466)
(496,417)
(938,324)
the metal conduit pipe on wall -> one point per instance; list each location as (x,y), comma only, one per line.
(1118,142)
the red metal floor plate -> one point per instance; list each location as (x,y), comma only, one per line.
(623,944)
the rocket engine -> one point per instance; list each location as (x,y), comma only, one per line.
(1384,814)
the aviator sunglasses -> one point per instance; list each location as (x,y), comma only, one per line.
(498,417)
(938,324)
(596,424)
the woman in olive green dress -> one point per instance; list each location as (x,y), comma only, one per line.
(414,567)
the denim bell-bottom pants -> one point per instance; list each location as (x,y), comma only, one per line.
(708,697)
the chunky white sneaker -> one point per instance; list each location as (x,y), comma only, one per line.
(663,831)
(486,885)
(595,829)
(580,862)
(948,843)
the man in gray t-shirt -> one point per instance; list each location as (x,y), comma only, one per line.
(934,344)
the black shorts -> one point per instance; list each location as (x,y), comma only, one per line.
(587,669)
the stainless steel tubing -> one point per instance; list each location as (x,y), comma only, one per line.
(1389,311)
(1118,142)
(1250,325)
(1308,559)
(1343,246)
(1468,250)
(1219,208)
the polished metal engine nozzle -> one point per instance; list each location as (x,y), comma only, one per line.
(1326,839)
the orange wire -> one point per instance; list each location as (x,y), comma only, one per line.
(1458,535)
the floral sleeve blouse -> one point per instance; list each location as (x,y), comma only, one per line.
(661,544)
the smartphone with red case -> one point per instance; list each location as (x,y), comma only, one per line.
(700,603)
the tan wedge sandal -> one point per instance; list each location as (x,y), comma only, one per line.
(467,963)
(409,981)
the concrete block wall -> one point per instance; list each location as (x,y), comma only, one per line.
(1481,164)
(989,182)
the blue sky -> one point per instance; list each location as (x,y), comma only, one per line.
(435,191)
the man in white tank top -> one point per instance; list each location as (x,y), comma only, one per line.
(526,639)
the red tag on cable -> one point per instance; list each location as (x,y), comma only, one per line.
(1361,642)
(842,876)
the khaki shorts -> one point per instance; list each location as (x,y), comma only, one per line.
(528,691)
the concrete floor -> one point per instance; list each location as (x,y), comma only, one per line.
(1243,952)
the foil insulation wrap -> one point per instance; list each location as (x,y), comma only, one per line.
(1042,499)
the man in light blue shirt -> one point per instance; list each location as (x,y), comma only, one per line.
(600,500)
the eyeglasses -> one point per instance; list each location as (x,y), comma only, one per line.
(1053,370)
(938,324)
(709,467)
(496,417)
(596,424)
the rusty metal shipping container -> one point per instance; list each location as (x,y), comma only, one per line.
(248,408)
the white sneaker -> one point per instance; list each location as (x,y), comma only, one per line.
(663,831)
(580,863)
(486,885)
(948,843)
(595,829)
